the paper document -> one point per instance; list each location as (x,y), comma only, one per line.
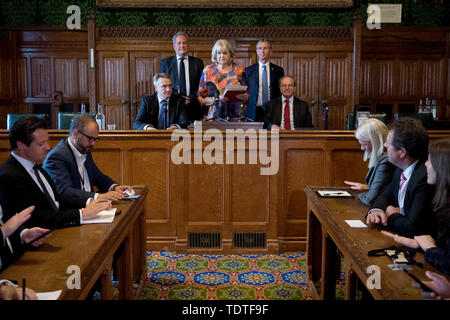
(105,216)
(334,193)
(231,92)
(356,223)
(54,295)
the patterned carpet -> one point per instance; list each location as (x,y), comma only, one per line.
(226,277)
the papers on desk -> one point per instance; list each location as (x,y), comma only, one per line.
(133,197)
(105,216)
(54,295)
(356,223)
(334,194)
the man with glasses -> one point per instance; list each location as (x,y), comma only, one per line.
(24,183)
(287,112)
(72,168)
(162,110)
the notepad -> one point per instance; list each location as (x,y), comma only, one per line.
(356,223)
(53,295)
(334,194)
(105,216)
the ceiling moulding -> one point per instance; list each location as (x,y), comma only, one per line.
(229,4)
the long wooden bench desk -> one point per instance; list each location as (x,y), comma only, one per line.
(93,248)
(328,232)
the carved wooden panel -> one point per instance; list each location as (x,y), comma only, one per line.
(347,165)
(118,115)
(40,78)
(431,79)
(22,77)
(110,160)
(385,81)
(6,82)
(114,77)
(83,79)
(65,77)
(366,78)
(409,77)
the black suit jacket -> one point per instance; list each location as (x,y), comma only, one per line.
(19,191)
(6,255)
(419,217)
(251,75)
(62,167)
(302,116)
(170,65)
(149,112)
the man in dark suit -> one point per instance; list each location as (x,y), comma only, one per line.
(406,205)
(263,81)
(185,72)
(287,112)
(72,169)
(24,183)
(163,109)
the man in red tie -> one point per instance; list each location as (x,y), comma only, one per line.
(287,112)
(405,206)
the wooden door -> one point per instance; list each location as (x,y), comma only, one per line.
(113,80)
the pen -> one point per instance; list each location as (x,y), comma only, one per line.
(23,288)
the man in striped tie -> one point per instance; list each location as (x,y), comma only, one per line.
(405,207)
(287,112)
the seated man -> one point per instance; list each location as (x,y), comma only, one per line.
(72,168)
(24,183)
(287,112)
(163,109)
(405,207)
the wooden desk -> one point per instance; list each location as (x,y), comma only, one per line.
(328,232)
(92,248)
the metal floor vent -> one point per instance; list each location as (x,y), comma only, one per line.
(204,240)
(249,240)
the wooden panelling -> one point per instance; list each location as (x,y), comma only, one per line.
(83,81)
(6,80)
(66,77)
(432,79)
(23,77)
(385,81)
(40,78)
(347,165)
(366,78)
(409,77)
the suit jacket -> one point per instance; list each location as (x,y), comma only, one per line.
(7,257)
(149,111)
(61,165)
(377,179)
(302,116)
(419,217)
(19,191)
(170,65)
(251,74)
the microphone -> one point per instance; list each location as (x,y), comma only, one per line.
(325,114)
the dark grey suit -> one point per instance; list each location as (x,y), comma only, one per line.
(377,179)
(302,116)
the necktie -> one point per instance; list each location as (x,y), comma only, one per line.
(287,116)
(182,77)
(402,180)
(162,115)
(36,169)
(265,87)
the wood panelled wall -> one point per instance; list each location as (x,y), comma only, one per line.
(393,66)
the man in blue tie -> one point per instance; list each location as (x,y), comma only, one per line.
(406,205)
(162,110)
(262,79)
(185,72)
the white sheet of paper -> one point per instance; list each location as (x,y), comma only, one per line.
(356,223)
(105,216)
(54,295)
(334,193)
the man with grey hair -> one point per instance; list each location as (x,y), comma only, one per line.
(262,79)
(163,109)
(185,72)
(72,168)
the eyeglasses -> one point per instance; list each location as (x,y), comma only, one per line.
(91,139)
(287,86)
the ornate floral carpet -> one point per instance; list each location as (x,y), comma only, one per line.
(226,277)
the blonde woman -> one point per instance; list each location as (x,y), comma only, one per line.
(222,73)
(371,136)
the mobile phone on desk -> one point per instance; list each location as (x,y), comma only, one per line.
(118,211)
(421,284)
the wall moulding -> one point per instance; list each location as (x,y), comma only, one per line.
(186,4)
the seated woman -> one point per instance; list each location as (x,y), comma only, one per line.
(222,73)
(371,135)
(437,253)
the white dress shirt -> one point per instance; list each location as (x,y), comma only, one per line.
(401,193)
(80,159)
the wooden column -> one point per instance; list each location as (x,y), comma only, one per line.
(92,71)
(356,60)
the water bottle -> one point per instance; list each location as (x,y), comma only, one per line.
(100,117)
(427,105)
(83,108)
(420,106)
(433,108)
